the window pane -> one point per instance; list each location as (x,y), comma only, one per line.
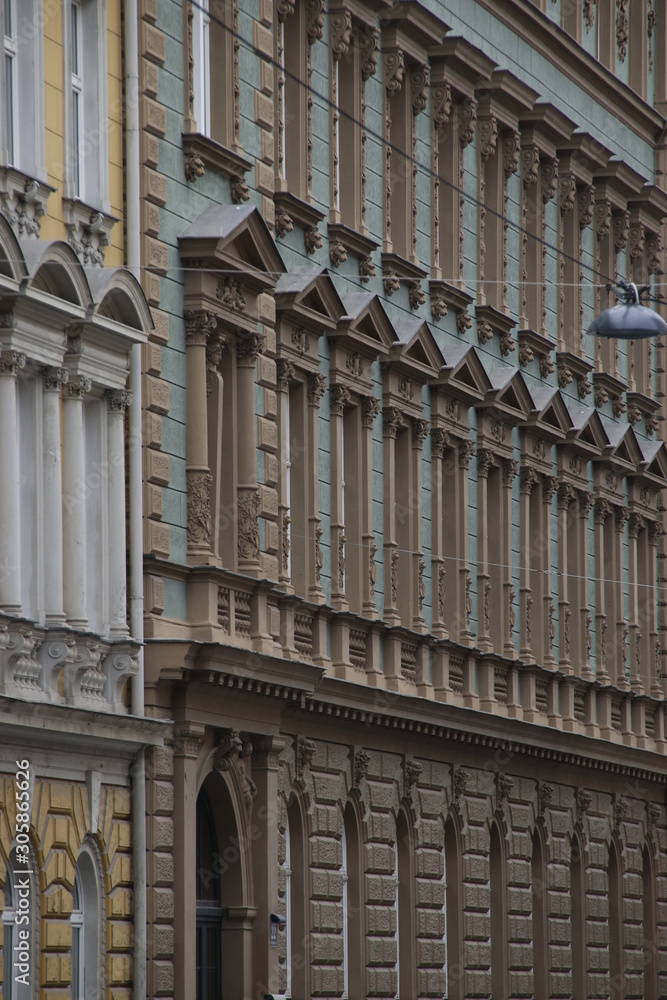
(9,19)
(76,166)
(74,54)
(9,106)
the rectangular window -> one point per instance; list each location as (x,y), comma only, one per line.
(202,62)
(10,79)
(76,83)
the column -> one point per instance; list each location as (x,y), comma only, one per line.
(420,431)
(53,380)
(10,535)
(484,463)
(549,485)
(285,371)
(635,525)
(117,403)
(507,605)
(188,740)
(370,408)
(317,385)
(339,397)
(580,572)
(392,421)
(464,597)
(654,532)
(266,861)
(602,512)
(621,631)
(529,480)
(198,327)
(440,442)
(74,507)
(214,401)
(565,497)
(247,349)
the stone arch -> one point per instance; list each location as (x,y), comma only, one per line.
(91,870)
(117,295)
(54,268)
(221,801)
(12,261)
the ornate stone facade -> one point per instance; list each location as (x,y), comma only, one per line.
(409,623)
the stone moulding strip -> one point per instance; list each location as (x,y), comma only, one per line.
(345,713)
(598,82)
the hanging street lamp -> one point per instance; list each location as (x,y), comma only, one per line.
(629,320)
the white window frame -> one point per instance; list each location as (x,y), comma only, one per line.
(87,921)
(87,174)
(76,94)
(201,54)
(78,940)
(10,51)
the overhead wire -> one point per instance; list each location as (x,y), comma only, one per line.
(558,251)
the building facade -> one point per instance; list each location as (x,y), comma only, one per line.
(72,727)
(403,518)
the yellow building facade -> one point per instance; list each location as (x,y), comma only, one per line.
(72,730)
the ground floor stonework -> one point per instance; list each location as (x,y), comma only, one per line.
(317,847)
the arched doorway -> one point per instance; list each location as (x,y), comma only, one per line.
(224,919)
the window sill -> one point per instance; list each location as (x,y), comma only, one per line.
(200,152)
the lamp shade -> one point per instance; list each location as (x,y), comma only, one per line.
(628,321)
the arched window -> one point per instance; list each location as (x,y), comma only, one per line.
(19,898)
(498,916)
(406,922)
(616,964)
(209,906)
(455,963)
(650,940)
(85,920)
(540,952)
(578,919)
(352,905)
(297,920)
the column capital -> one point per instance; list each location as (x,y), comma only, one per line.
(602,510)
(11,362)
(466,452)
(549,487)
(586,502)
(317,386)
(565,495)
(77,386)
(510,471)
(339,398)
(198,327)
(440,442)
(420,431)
(635,525)
(485,459)
(54,379)
(392,421)
(188,739)
(285,372)
(370,407)
(529,480)
(248,346)
(118,400)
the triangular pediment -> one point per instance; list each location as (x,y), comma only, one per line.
(509,393)
(366,322)
(417,349)
(235,236)
(308,296)
(463,373)
(627,450)
(656,466)
(587,428)
(551,414)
